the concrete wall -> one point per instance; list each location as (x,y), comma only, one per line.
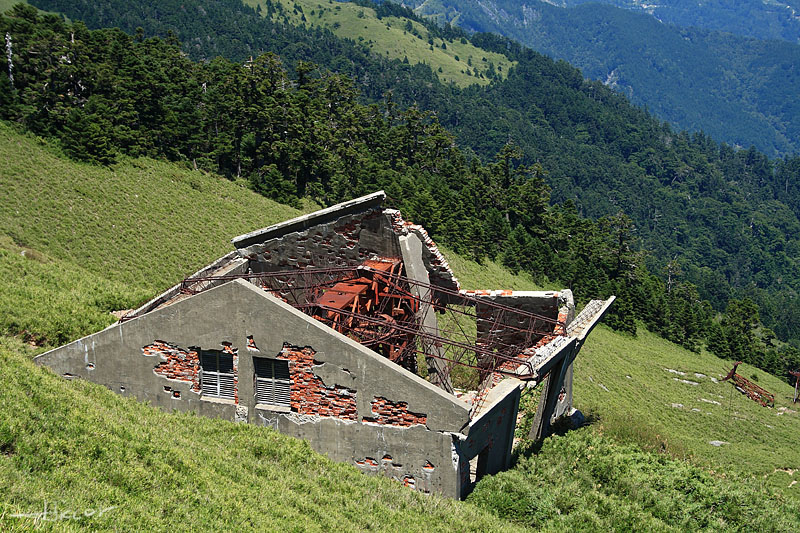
(347,240)
(403,427)
(490,435)
(346,234)
(494,325)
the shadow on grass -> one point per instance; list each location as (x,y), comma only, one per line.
(560,427)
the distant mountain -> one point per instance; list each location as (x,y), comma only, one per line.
(767,19)
(736,89)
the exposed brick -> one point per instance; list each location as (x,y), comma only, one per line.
(309,395)
(392,413)
(179,364)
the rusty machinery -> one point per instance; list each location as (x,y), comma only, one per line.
(375,305)
(750,389)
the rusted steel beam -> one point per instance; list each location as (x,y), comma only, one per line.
(376,306)
(750,389)
(413,329)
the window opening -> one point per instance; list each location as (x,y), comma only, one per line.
(216,377)
(273,383)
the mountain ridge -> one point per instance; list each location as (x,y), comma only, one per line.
(738,90)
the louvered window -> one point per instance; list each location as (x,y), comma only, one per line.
(216,378)
(273,383)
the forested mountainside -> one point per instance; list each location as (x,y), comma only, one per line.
(772,19)
(735,89)
(103,237)
(716,215)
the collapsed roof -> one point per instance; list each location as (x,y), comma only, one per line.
(367,273)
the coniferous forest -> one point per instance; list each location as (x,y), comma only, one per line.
(545,171)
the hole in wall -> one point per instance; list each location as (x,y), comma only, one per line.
(176,394)
(89,366)
(251,344)
(167,389)
(122,388)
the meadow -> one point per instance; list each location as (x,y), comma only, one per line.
(79,241)
(454,60)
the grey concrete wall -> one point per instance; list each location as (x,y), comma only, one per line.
(304,222)
(229,314)
(410,455)
(504,327)
(492,430)
(346,240)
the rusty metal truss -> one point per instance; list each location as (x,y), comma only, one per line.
(750,389)
(376,306)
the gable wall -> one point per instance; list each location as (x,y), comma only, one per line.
(401,423)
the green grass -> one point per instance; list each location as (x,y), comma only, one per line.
(638,406)
(585,481)
(5,5)
(78,241)
(50,302)
(143,223)
(77,446)
(490,275)
(390,38)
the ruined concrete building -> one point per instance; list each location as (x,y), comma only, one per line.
(347,328)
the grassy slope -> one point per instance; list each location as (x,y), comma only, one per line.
(143,223)
(389,37)
(5,5)
(638,408)
(78,445)
(761,440)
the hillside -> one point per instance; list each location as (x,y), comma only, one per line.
(79,446)
(101,240)
(454,61)
(722,221)
(775,19)
(738,90)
